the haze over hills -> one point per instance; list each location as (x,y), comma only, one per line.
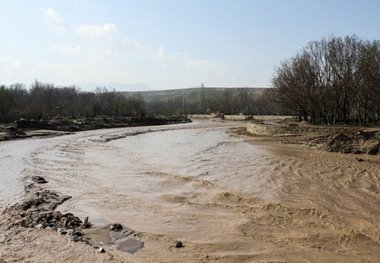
(120,87)
(231,100)
(192,94)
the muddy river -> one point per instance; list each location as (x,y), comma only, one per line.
(227,198)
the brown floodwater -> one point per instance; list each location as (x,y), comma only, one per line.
(226,198)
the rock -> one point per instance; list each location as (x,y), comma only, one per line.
(72,221)
(359,159)
(78,233)
(217,115)
(179,244)
(101,250)
(62,231)
(64,222)
(34,202)
(69,232)
(86,224)
(75,238)
(28,188)
(115,227)
(373,148)
(38,211)
(42,219)
(39,180)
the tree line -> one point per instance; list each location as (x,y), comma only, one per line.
(46,101)
(333,80)
(226,101)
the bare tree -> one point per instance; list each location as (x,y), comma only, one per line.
(332,80)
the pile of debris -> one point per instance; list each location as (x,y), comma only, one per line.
(99,122)
(349,141)
(38,211)
(9,133)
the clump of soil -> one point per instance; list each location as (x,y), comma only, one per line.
(38,211)
(349,141)
(9,133)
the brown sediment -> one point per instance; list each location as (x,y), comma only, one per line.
(225,199)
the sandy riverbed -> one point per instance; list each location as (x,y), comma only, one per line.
(227,198)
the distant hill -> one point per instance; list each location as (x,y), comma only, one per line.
(121,87)
(192,94)
(231,100)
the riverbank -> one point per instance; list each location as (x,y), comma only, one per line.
(26,128)
(344,139)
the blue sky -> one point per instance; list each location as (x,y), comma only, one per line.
(168,44)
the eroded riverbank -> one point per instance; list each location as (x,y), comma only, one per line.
(227,199)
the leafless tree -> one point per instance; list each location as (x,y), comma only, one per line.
(332,80)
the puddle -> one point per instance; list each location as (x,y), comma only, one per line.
(129,245)
(125,240)
(99,222)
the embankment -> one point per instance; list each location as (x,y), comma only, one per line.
(25,128)
(328,138)
(259,129)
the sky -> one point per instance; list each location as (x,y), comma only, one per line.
(168,44)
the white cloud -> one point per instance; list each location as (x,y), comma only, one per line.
(166,58)
(95,31)
(67,49)
(101,55)
(51,14)
(162,56)
(59,29)
(132,44)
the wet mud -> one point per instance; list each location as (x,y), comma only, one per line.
(194,193)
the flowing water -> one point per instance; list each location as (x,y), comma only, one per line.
(226,198)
